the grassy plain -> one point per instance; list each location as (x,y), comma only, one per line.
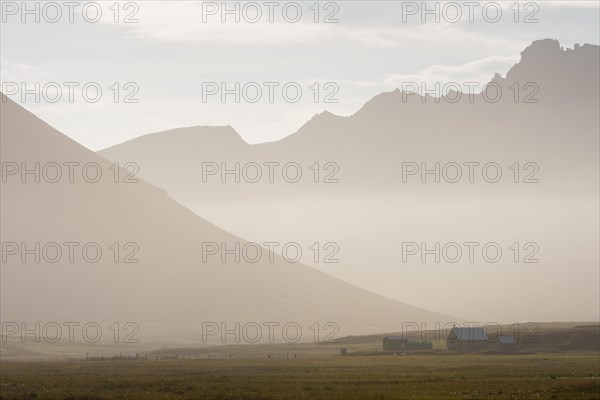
(568,376)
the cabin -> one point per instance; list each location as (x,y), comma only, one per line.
(473,339)
(402,343)
(468,339)
(394,343)
(507,343)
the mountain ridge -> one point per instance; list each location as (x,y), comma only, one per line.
(533,56)
(372,207)
(171,290)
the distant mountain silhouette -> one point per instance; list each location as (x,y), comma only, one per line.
(170,292)
(561,73)
(393,125)
(370,211)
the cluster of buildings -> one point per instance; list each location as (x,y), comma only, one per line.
(467,339)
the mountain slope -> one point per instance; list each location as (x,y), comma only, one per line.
(547,131)
(170,291)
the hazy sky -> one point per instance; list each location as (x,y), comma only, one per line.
(171,54)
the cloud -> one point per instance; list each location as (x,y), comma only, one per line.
(578,4)
(433,33)
(12,71)
(182,22)
(480,71)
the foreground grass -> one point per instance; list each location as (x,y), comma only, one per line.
(536,376)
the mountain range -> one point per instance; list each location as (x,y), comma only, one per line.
(542,133)
(172,289)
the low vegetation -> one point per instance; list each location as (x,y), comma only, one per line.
(568,376)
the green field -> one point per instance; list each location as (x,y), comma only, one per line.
(469,376)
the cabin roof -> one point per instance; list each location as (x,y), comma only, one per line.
(395,337)
(469,334)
